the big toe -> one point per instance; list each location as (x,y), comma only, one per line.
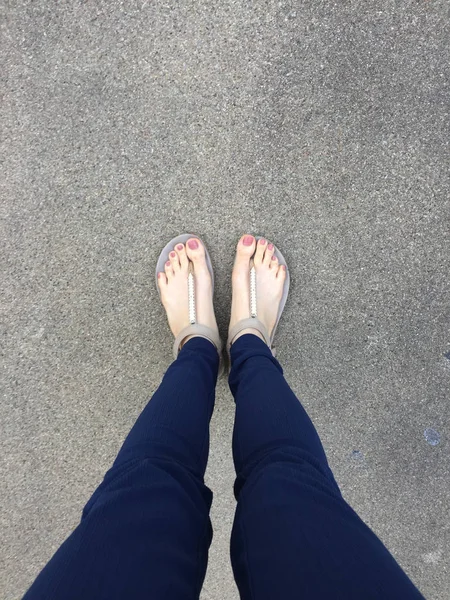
(245,249)
(194,249)
(196,253)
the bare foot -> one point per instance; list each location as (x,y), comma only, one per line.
(270,277)
(173,285)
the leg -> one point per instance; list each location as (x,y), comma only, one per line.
(145,532)
(294,536)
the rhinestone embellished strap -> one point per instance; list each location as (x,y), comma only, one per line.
(194,328)
(253,312)
(191,294)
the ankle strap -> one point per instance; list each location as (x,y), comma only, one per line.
(200,331)
(251,323)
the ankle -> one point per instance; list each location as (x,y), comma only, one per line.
(247,331)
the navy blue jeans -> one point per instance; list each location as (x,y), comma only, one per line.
(145,532)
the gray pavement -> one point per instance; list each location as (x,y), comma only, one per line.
(323,126)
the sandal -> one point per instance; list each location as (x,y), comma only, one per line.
(194,328)
(253,322)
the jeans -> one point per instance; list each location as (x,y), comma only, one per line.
(145,532)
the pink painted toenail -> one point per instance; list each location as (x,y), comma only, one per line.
(172,254)
(262,241)
(168,263)
(284,267)
(180,247)
(270,246)
(193,244)
(274,258)
(248,240)
(159,275)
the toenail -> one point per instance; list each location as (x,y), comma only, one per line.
(159,275)
(284,267)
(172,254)
(262,241)
(168,263)
(270,246)
(248,240)
(193,244)
(274,257)
(180,247)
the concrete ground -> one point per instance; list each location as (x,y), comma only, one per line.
(323,126)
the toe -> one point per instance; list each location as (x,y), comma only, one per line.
(245,248)
(168,269)
(174,261)
(182,256)
(260,249)
(196,253)
(270,249)
(162,280)
(274,263)
(195,250)
(281,272)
